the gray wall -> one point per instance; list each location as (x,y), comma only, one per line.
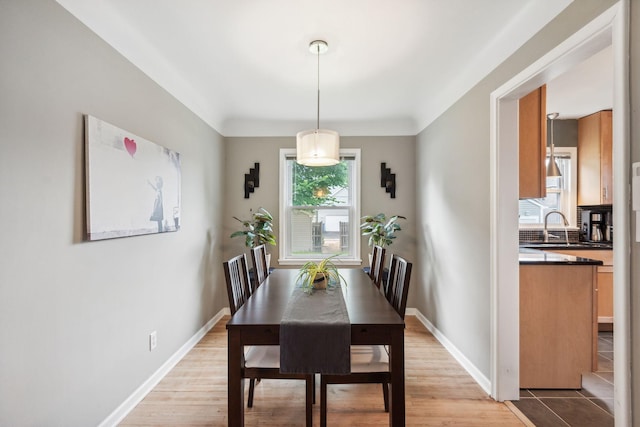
(453,199)
(75,316)
(565,133)
(397,151)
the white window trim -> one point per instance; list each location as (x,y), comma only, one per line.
(573,220)
(355,236)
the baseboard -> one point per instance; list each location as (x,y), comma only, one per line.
(475,373)
(123,410)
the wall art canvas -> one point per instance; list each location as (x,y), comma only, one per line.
(133,185)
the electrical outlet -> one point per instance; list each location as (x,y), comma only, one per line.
(153,340)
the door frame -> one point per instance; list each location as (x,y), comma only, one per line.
(610,28)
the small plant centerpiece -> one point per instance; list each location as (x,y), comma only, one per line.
(381,231)
(317,275)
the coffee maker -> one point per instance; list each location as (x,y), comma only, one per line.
(596,225)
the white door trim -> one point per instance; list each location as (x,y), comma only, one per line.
(609,28)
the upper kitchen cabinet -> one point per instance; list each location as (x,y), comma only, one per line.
(532,140)
(595,172)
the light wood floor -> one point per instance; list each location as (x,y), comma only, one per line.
(439,392)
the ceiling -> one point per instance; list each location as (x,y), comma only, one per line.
(244,66)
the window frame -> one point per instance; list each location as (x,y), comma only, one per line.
(354,226)
(571,212)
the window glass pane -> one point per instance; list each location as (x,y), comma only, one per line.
(316,232)
(320,210)
(532,211)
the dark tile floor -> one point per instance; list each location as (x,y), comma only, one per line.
(590,406)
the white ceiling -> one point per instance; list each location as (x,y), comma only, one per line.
(244,66)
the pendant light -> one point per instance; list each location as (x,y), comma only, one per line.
(552,166)
(318,147)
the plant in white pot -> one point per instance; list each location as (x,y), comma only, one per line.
(317,275)
(257,231)
(380,229)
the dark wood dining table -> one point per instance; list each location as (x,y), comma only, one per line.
(373,321)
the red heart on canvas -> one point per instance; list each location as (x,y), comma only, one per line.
(130,146)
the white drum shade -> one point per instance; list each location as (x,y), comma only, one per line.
(318,147)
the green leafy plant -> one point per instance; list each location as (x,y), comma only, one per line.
(381,231)
(258,230)
(316,275)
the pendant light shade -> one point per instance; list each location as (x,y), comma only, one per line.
(552,166)
(318,147)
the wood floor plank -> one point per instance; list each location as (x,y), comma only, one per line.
(439,392)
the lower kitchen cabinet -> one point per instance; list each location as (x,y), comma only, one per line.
(558,328)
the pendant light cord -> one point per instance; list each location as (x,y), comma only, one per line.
(318,109)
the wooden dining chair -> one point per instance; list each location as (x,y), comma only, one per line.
(397,285)
(377,264)
(260,269)
(370,363)
(261,361)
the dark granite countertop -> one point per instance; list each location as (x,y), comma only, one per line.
(572,245)
(529,256)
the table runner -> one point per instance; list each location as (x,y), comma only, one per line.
(315,333)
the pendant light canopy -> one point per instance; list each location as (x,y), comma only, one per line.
(552,166)
(318,147)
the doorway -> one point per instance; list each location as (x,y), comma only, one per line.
(608,29)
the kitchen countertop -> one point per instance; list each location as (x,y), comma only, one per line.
(528,256)
(572,245)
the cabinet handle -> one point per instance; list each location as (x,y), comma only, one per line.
(604,192)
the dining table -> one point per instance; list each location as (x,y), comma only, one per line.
(373,321)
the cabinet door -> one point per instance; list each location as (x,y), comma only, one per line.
(605,294)
(606,157)
(532,142)
(595,159)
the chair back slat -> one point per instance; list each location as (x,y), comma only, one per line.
(377,264)
(397,287)
(237,278)
(260,269)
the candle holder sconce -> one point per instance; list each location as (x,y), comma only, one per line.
(251,180)
(388,180)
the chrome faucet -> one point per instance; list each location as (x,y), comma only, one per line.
(545,233)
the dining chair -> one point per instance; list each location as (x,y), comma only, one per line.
(377,264)
(370,363)
(261,361)
(397,285)
(260,269)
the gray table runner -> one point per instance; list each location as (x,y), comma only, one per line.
(315,333)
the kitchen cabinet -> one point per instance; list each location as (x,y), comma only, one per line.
(595,163)
(532,143)
(604,282)
(558,329)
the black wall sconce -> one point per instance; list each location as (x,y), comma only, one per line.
(388,180)
(251,180)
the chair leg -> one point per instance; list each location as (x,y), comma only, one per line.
(252,385)
(310,386)
(323,401)
(385,394)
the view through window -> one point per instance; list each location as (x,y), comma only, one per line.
(320,209)
(561,195)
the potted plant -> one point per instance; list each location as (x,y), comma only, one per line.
(381,231)
(317,275)
(257,231)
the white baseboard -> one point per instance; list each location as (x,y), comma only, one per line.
(475,373)
(125,407)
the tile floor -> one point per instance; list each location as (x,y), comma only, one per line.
(590,406)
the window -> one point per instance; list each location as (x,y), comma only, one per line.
(561,194)
(319,209)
